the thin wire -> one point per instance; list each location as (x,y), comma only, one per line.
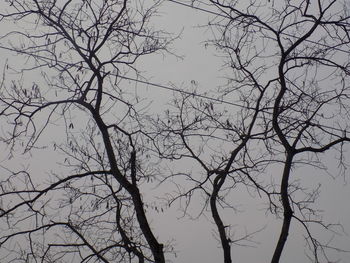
(144,82)
(194,94)
(225,16)
(167,87)
(198,8)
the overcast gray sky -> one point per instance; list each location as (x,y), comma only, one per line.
(195,240)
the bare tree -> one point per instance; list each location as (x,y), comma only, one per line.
(285,103)
(75,53)
(299,53)
(218,143)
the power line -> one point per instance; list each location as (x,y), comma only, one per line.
(144,82)
(164,86)
(194,94)
(198,8)
(226,16)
